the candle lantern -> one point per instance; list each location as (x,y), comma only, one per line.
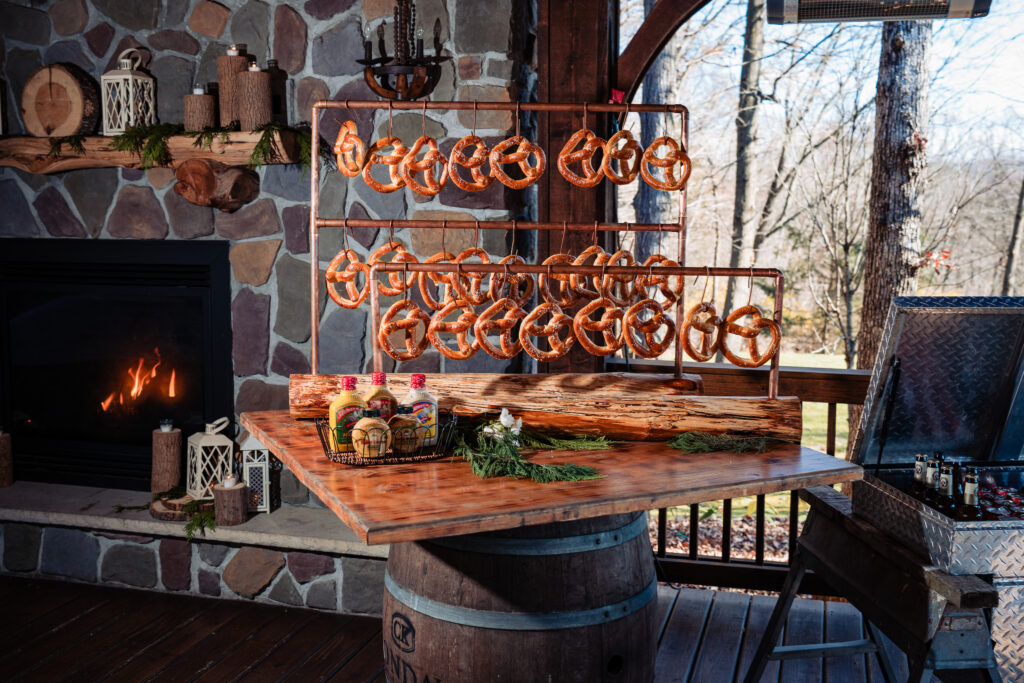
(209,459)
(262,474)
(129,97)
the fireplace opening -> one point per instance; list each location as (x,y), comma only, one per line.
(101,341)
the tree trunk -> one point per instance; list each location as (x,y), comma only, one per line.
(1013,251)
(746,135)
(652,206)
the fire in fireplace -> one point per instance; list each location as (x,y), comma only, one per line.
(104,339)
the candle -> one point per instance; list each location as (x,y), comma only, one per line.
(230,481)
(166,425)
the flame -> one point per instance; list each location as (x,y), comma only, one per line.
(138,378)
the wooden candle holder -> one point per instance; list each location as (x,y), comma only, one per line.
(228,69)
(252,99)
(200,111)
(166,460)
(230,505)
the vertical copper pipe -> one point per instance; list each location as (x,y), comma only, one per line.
(378,356)
(684,133)
(314,269)
(773,373)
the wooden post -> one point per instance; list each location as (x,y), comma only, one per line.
(166,460)
(200,109)
(230,505)
(252,99)
(6,461)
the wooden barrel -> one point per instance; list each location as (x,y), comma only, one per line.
(573,601)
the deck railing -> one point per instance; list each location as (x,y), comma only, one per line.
(812,385)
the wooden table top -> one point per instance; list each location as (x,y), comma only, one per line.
(396,503)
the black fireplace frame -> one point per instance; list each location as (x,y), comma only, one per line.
(201,266)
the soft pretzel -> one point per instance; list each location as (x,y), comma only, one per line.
(442,281)
(751,334)
(392,161)
(398,282)
(409,323)
(608,284)
(350,150)
(612,153)
(462,328)
(585,156)
(467,285)
(524,150)
(582,324)
(496,288)
(356,296)
(704,319)
(649,346)
(411,166)
(481,181)
(674,156)
(670,286)
(565,297)
(486,323)
(559,321)
(578,282)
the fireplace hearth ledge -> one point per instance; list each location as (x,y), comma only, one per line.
(84,507)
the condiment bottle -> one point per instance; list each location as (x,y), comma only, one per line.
(947,504)
(370,436)
(970,511)
(344,413)
(918,487)
(379,398)
(406,431)
(424,407)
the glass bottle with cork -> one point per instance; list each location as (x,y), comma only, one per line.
(379,398)
(343,414)
(424,407)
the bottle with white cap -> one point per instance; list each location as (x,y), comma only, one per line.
(424,407)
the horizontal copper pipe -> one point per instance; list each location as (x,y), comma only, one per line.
(535,269)
(595,107)
(494,225)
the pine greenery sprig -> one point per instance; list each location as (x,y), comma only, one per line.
(702,442)
(204,138)
(266,150)
(536,440)
(149,143)
(500,457)
(76,143)
(199,520)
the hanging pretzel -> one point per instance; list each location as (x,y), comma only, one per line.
(496,289)
(616,287)
(481,180)
(413,318)
(467,286)
(531,328)
(704,319)
(751,333)
(356,296)
(521,156)
(350,150)
(670,286)
(440,279)
(578,282)
(398,282)
(392,161)
(630,150)
(674,156)
(582,324)
(649,346)
(584,155)
(462,328)
(486,323)
(411,166)
(565,297)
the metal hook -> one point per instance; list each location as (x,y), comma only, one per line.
(423,128)
(561,246)
(391,230)
(475,111)
(586,106)
(595,232)
(707,280)
(750,283)
(518,115)
(405,279)
(515,250)
(476,234)
(444,229)
(391,111)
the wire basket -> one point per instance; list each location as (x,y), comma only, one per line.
(386,446)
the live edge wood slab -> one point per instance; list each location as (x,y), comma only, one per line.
(397,503)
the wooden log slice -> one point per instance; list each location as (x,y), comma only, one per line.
(205,182)
(159,510)
(60,100)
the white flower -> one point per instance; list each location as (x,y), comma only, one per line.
(491,432)
(517,426)
(506,419)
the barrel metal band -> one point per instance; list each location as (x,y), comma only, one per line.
(519,621)
(496,545)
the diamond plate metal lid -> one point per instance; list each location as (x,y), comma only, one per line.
(949,376)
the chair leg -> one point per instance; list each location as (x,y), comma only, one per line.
(888,672)
(797,569)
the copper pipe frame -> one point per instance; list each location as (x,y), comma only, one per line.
(530,269)
(596,107)
(551,226)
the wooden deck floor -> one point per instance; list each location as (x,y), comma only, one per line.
(55,631)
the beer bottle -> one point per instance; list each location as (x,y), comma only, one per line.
(918,487)
(948,503)
(970,511)
(931,479)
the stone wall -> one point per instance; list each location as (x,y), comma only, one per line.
(316,42)
(327,582)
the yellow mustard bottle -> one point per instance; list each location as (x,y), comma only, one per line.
(379,398)
(344,413)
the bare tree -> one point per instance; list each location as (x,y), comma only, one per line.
(1013,253)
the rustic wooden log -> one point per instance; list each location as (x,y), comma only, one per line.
(252,99)
(617,405)
(173,509)
(228,68)
(166,460)
(60,100)
(448,635)
(230,505)
(6,461)
(205,182)
(200,111)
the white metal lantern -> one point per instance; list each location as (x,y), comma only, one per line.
(128,95)
(262,474)
(209,459)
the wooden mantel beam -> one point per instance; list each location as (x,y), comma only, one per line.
(658,28)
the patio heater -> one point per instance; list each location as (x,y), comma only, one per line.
(807,11)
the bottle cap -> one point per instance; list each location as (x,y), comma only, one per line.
(418,381)
(372,413)
(348,383)
(379,378)
(405,410)
(271,63)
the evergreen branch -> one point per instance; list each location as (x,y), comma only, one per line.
(199,521)
(501,458)
(266,150)
(148,143)
(536,440)
(204,138)
(76,143)
(702,442)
